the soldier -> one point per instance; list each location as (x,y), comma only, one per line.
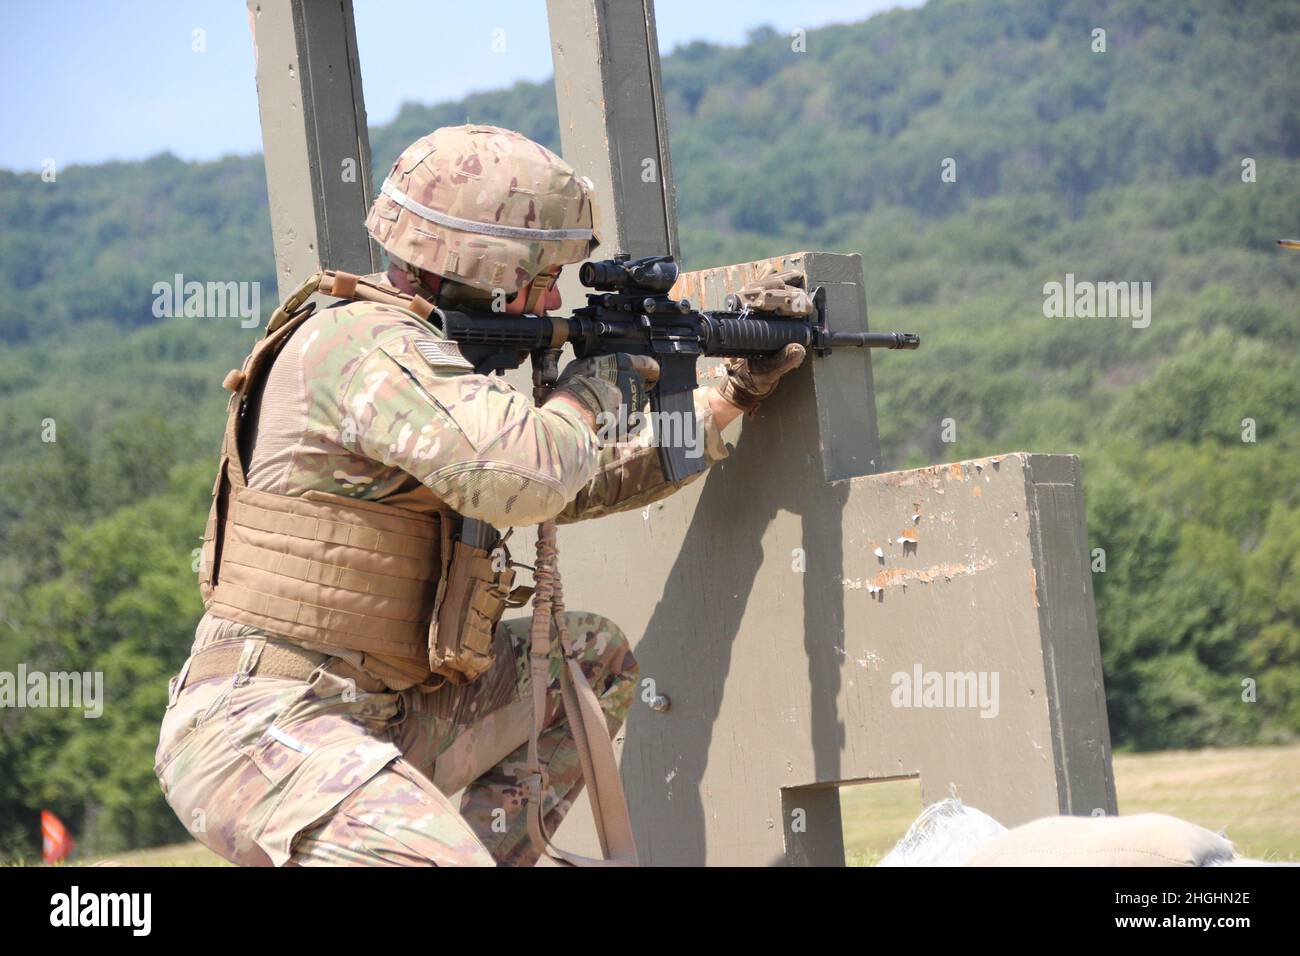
(311,723)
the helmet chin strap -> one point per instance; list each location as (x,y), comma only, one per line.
(536,292)
(428,290)
(414,275)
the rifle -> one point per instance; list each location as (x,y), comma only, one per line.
(630,310)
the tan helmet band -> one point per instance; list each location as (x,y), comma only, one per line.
(482,228)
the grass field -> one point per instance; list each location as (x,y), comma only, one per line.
(1251,793)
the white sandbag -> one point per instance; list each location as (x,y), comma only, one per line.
(1144,839)
(946,833)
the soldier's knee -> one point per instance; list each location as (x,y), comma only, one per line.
(603,643)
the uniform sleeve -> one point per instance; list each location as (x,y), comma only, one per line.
(479,444)
(629,475)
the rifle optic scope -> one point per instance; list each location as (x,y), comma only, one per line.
(653,274)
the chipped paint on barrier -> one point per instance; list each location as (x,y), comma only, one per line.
(696,286)
(891,577)
(870,659)
(902,575)
(936,476)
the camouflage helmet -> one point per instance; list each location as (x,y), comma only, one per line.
(486,207)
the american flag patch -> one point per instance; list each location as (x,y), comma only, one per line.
(441,353)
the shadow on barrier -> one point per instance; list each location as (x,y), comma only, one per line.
(708,596)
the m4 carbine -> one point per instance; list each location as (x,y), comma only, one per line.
(630,311)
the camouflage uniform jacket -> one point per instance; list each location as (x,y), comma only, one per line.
(368,401)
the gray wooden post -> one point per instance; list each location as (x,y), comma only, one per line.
(314,137)
(612,123)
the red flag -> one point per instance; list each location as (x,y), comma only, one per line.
(56,842)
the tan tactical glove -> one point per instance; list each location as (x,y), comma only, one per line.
(604,382)
(749,381)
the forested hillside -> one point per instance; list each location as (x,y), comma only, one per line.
(1173,157)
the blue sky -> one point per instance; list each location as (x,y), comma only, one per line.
(91,80)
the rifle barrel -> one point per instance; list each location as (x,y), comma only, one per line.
(875,340)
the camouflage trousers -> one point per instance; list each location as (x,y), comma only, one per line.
(268,771)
